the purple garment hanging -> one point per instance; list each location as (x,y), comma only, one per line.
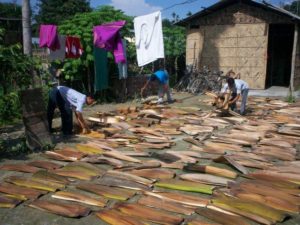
(107,36)
(49,37)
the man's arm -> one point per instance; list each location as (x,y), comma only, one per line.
(82,123)
(144,87)
(235,99)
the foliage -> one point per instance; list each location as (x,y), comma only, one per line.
(16,68)
(174,39)
(293,7)
(56,11)
(81,25)
(11,10)
(290,98)
(16,72)
(174,43)
(11,147)
(9,107)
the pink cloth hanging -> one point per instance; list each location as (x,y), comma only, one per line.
(107,36)
(49,37)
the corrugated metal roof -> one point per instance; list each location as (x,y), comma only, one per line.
(224,3)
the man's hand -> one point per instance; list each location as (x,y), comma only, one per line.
(142,91)
(86,130)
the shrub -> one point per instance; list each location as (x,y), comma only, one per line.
(10,108)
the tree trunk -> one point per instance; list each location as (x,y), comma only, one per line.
(291,88)
(176,69)
(26,25)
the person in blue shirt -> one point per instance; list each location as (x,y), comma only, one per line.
(162,77)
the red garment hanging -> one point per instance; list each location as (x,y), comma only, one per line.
(73,47)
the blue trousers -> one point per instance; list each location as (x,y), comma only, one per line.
(57,101)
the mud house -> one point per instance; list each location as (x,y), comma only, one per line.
(255,39)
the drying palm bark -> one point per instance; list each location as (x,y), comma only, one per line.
(183,157)
(201,222)
(211,170)
(115,217)
(170,206)
(205,179)
(220,148)
(79,170)
(63,209)
(103,160)
(66,154)
(228,160)
(101,144)
(154,173)
(248,162)
(199,81)
(221,217)
(39,184)
(119,155)
(270,201)
(8,202)
(50,176)
(112,181)
(109,192)
(165,157)
(185,186)
(229,140)
(81,198)
(21,193)
(45,164)
(131,177)
(184,199)
(150,164)
(88,149)
(145,145)
(20,168)
(250,209)
(149,214)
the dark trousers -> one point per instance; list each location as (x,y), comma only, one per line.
(56,100)
(233,106)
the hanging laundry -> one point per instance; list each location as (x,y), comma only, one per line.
(73,47)
(148,38)
(49,37)
(123,66)
(59,54)
(107,36)
(101,70)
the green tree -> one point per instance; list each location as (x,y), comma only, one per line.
(12,12)
(175,17)
(15,67)
(11,22)
(15,73)
(174,43)
(189,13)
(293,7)
(81,25)
(56,11)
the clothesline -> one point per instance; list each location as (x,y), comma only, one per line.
(182,3)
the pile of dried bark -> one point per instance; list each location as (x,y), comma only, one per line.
(200,81)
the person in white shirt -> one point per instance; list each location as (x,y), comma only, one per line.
(68,99)
(238,88)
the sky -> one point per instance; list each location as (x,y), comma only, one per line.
(142,7)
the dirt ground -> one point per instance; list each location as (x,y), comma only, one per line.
(24,215)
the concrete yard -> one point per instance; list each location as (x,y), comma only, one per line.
(24,215)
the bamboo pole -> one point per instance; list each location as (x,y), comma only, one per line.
(291,88)
(26,25)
